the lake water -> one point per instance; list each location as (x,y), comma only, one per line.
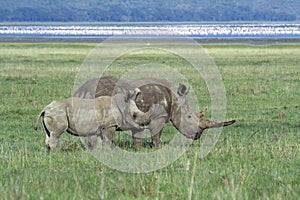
(255,30)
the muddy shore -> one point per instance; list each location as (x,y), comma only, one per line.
(199,40)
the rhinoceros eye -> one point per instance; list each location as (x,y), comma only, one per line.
(189,116)
(134,115)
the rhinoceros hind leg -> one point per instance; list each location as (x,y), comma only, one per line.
(52,143)
(55,133)
(47,142)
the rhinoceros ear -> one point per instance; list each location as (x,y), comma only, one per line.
(183,89)
(132,94)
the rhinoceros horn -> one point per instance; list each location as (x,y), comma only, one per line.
(205,124)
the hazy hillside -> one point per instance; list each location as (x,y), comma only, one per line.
(149,10)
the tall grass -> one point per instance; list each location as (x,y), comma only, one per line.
(257,158)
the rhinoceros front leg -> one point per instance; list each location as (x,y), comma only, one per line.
(52,141)
(137,137)
(156,139)
(101,137)
(91,142)
(156,126)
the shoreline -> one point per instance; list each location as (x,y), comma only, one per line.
(99,40)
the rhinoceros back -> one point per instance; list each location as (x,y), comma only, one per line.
(153,91)
(97,87)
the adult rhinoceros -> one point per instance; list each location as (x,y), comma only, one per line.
(154,91)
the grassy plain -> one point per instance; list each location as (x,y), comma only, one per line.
(257,158)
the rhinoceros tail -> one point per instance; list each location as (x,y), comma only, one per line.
(41,115)
(37,120)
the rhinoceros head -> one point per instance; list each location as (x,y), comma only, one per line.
(183,118)
(188,122)
(131,114)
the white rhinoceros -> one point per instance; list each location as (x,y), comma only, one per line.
(172,100)
(85,117)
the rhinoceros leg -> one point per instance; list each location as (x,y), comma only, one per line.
(47,141)
(156,126)
(51,142)
(54,127)
(107,136)
(137,136)
(92,142)
(102,137)
(46,134)
(156,139)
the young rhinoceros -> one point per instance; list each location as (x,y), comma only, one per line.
(86,117)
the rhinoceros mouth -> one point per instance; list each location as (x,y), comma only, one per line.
(143,126)
(195,136)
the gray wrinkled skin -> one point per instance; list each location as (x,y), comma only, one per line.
(86,117)
(172,101)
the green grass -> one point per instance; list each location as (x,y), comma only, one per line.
(257,158)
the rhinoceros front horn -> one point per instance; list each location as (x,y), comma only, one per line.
(204,124)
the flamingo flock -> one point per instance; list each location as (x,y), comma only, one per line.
(189,30)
